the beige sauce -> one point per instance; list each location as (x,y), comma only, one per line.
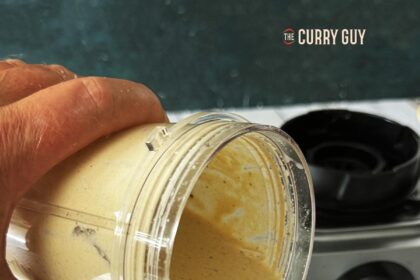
(202,252)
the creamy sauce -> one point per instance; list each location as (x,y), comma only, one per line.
(67,231)
(223,231)
(202,252)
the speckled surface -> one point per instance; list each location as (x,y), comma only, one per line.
(202,54)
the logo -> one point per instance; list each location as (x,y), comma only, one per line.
(288,36)
(324,37)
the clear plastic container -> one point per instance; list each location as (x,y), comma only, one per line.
(112,210)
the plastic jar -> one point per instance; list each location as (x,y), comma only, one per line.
(112,210)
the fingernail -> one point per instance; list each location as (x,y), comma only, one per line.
(64,73)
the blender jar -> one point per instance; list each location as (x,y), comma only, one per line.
(113,210)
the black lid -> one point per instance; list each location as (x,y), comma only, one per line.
(359,162)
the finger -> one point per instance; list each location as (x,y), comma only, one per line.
(22,80)
(9,63)
(5,273)
(60,120)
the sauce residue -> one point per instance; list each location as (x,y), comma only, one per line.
(203,252)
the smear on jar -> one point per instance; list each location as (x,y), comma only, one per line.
(202,252)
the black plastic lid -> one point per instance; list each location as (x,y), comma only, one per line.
(359,162)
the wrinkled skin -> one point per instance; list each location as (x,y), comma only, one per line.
(47,113)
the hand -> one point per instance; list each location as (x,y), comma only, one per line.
(47,113)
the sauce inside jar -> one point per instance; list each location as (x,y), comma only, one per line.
(221,234)
(203,252)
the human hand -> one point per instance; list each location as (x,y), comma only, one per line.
(48,113)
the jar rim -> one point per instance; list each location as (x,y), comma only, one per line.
(224,127)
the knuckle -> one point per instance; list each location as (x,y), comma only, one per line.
(10,123)
(21,139)
(97,93)
(16,133)
(14,62)
(3,75)
(11,126)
